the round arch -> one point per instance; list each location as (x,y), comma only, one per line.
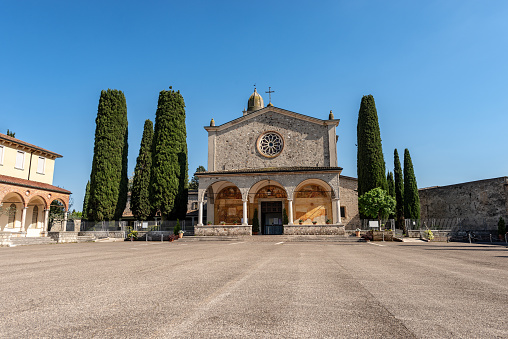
(12,209)
(35,214)
(312,201)
(227,204)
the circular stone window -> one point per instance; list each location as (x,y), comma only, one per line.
(270,144)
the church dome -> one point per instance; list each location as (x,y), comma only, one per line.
(255,102)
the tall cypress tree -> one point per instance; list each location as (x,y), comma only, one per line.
(140,196)
(399,192)
(370,160)
(391,184)
(85,201)
(411,198)
(108,180)
(168,182)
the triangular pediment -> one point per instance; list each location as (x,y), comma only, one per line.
(273,109)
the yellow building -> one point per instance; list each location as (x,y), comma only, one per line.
(26,187)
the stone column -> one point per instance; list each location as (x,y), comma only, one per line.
(23,219)
(46,222)
(336,218)
(290,211)
(65,222)
(245,220)
(200,213)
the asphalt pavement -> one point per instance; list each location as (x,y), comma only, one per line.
(253,289)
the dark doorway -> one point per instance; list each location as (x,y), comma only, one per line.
(271,217)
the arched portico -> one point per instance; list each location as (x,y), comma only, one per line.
(12,209)
(301,193)
(269,199)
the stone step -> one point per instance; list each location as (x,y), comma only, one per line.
(276,238)
(25,241)
(86,238)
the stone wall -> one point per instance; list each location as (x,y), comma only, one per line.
(64,237)
(227,230)
(5,239)
(478,204)
(305,143)
(349,200)
(314,230)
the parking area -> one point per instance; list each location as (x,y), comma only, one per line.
(247,289)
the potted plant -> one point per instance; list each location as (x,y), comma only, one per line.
(178,229)
(328,221)
(300,221)
(314,222)
(133,235)
(357,232)
(222,223)
(285,219)
(429,235)
(209,223)
(255,223)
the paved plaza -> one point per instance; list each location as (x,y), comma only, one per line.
(252,289)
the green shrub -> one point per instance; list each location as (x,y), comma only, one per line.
(177,228)
(255,221)
(501,227)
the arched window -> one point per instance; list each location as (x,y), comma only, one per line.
(35,217)
(12,216)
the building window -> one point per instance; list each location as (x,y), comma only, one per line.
(35,216)
(12,216)
(270,144)
(40,165)
(343,211)
(1,155)
(20,160)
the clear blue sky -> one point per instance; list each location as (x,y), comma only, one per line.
(438,71)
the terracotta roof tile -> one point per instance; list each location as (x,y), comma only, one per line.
(26,144)
(32,184)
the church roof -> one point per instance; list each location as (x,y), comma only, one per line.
(276,110)
(271,170)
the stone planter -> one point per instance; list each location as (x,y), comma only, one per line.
(382,235)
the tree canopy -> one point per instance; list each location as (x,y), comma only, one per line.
(140,195)
(108,180)
(168,182)
(376,203)
(411,197)
(194,183)
(370,160)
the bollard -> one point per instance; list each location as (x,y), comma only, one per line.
(162,237)
(469,235)
(490,238)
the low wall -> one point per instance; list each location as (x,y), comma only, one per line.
(105,234)
(223,230)
(5,239)
(314,230)
(64,237)
(439,235)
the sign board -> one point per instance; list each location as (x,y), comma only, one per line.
(373,223)
(145,224)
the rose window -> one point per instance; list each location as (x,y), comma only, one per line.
(270,144)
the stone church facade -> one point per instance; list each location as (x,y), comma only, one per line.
(280,165)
